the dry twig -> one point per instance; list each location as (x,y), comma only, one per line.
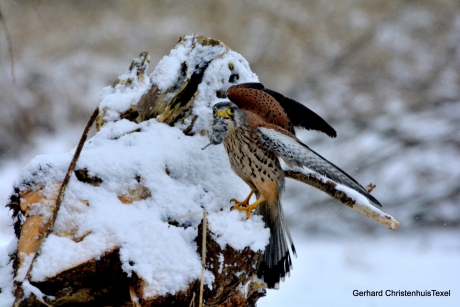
(203,259)
(19,293)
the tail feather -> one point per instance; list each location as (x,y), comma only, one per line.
(288,233)
(276,262)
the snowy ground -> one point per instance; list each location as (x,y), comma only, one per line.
(329,269)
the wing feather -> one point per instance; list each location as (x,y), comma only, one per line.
(298,154)
(298,114)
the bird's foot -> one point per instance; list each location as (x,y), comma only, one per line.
(243,203)
(238,203)
(247,208)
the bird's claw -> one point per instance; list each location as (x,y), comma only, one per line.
(243,203)
(241,206)
(246,207)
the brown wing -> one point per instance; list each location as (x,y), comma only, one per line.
(262,104)
(256,121)
(298,114)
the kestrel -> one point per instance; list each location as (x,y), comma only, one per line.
(256,127)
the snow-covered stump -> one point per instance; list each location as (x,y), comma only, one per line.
(128,229)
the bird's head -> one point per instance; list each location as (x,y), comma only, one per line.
(226,115)
(224,110)
(229,113)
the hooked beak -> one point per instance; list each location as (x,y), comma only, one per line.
(222,114)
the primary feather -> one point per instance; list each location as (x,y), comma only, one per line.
(297,154)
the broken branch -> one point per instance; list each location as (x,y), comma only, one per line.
(329,188)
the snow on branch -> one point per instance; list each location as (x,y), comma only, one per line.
(345,195)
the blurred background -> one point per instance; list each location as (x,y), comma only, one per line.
(384,74)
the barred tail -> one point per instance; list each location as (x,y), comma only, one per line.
(276,262)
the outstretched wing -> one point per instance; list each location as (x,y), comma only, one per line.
(300,155)
(299,115)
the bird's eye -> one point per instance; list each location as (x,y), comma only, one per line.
(230,111)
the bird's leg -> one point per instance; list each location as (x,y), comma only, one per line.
(243,203)
(249,208)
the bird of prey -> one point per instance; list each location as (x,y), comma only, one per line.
(257,129)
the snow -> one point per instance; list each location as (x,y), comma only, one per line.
(329,269)
(221,263)
(30,289)
(6,268)
(226,233)
(216,77)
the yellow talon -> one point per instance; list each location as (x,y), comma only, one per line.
(243,203)
(248,208)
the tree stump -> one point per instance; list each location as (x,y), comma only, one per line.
(102,280)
